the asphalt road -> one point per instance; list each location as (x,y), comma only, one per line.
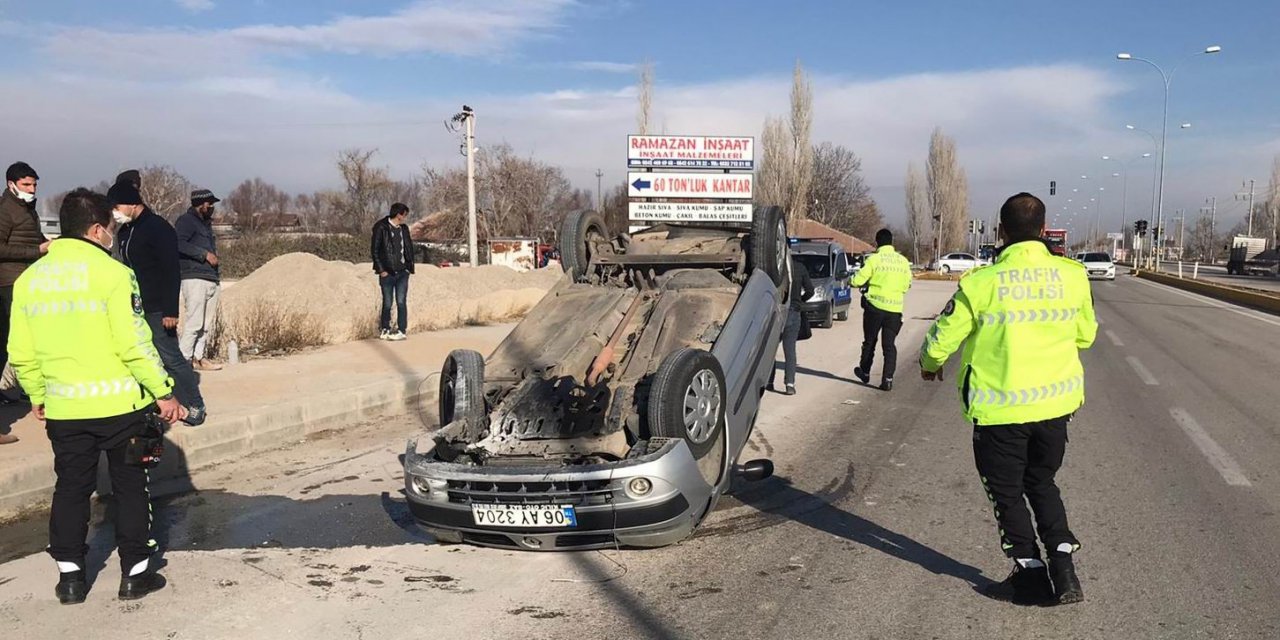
(1219,275)
(874,526)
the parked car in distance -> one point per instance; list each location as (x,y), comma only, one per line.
(956,262)
(828,267)
(1098,264)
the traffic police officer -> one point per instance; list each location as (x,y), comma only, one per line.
(1022,321)
(886,274)
(83,352)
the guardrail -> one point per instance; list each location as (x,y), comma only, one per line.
(1252,298)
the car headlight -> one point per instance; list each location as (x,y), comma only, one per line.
(818,295)
(425,486)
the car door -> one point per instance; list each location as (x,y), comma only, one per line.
(843,292)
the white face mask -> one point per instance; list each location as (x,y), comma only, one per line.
(24,196)
(120,217)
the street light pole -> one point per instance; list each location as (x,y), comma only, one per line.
(1164,121)
(599,197)
(467,118)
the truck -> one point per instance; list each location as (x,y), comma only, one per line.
(1250,257)
(1057,241)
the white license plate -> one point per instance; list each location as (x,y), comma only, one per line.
(524,515)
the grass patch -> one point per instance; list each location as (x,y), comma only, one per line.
(268,328)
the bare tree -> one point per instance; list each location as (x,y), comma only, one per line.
(1272,211)
(316,211)
(774,174)
(614,208)
(367,194)
(801,148)
(948,192)
(166,191)
(838,194)
(645,97)
(919,228)
(257,205)
(1201,243)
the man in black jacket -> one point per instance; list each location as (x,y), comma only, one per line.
(198,264)
(801,290)
(147,244)
(392,250)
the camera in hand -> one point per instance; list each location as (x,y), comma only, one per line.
(147,447)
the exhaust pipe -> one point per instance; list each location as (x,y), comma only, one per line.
(757,470)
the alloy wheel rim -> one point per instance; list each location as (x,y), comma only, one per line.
(702,406)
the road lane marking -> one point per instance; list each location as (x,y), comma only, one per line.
(1143,372)
(1115,339)
(1218,457)
(1209,301)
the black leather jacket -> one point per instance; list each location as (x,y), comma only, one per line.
(391,248)
(801,283)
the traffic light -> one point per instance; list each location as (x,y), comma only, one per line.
(1140,227)
(1053,187)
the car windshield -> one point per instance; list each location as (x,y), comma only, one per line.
(1096,257)
(818,266)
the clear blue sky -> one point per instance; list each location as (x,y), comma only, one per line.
(227,89)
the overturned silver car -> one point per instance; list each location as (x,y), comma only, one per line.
(614,414)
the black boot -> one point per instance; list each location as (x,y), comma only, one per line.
(72,587)
(135,587)
(1066,586)
(861,375)
(1022,587)
(886,384)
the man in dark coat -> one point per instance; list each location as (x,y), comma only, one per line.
(147,244)
(21,243)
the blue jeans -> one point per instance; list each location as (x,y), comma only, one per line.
(398,284)
(186,386)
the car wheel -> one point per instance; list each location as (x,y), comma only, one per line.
(687,400)
(767,245)
(582,235)
(842,316)
(462,387)
(946,268)
(827,320)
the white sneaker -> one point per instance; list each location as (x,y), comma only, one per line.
(397,336)
(384,335)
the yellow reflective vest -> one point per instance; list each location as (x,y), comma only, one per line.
(1023,322)
(78,339)
(887,276)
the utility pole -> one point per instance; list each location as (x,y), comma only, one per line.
(1241,196)
(1213,224)
(1182,218)
(467,118)
(599,197)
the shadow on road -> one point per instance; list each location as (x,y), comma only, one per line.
(778,500)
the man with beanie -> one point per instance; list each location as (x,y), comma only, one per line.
(147,244)
(21,243)
(885,278)
(198,262)
(81,348)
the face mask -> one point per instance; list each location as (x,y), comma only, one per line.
(23,195)
(111,241)
(120,217)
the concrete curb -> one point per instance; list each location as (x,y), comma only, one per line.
(30,484)
(1245,297)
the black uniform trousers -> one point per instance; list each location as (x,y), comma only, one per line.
(1018,463)
(883,325)
(6,305)
(76,447)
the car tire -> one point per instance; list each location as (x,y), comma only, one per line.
(767,245)
(946,268)
(581,236)
(462,387)
(828,320)
(842,316)
(689,376)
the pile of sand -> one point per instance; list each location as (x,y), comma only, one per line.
(343,299)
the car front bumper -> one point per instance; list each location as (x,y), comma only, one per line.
(1102,274)
(817,311)
(608,514)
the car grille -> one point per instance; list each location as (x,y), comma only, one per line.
(563,492)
